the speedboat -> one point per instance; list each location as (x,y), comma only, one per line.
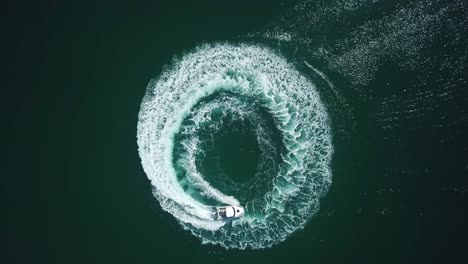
(228,213)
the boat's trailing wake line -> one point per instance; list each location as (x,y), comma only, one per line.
(242,80)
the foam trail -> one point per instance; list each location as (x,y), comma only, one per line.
(254,78)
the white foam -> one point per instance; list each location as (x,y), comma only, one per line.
(294,104)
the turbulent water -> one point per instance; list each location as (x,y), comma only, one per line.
(323,68)
(213,87)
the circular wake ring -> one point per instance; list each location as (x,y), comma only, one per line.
(179,94)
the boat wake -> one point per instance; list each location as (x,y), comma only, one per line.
(203,92)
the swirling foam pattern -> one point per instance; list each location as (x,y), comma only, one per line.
(195,96)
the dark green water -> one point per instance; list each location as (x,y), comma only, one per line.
(398,106)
